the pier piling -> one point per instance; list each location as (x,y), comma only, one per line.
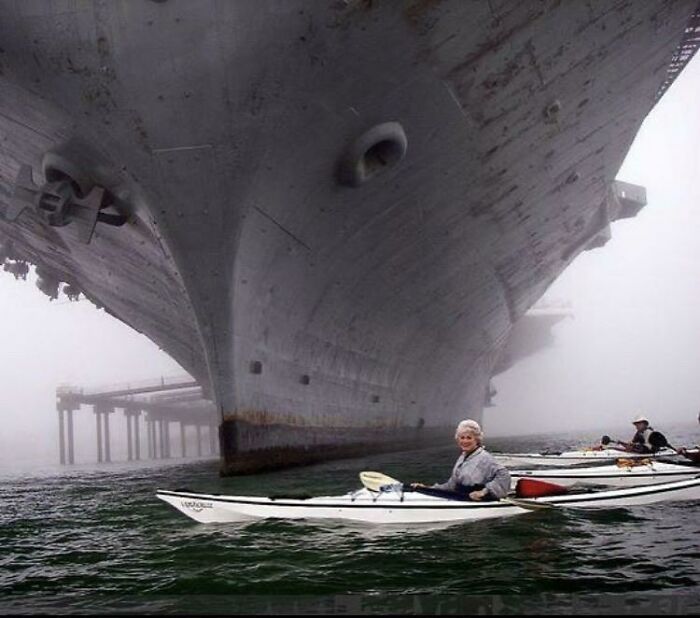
(187,406)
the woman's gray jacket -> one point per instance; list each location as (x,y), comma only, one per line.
(478,468)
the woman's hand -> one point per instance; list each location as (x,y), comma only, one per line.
(479,494)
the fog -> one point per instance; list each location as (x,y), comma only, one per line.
(46,344)
(633,345)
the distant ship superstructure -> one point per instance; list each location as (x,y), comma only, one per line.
(330,215)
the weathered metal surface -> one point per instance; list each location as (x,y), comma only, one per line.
(683,54)
(248,448)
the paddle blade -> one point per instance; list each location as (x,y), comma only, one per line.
(605,440)
(375,481)
(658,441)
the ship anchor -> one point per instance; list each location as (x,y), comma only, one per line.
(59,203)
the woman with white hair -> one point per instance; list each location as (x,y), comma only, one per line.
(476,474)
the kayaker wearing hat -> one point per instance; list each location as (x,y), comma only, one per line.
(476,474)
(640,441)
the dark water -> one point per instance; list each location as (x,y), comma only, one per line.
(98,540)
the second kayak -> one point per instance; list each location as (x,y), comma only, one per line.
(628,473)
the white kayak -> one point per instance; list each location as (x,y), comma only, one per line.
(568,458)
(397,507)
(629,474)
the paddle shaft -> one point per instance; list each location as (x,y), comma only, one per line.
(376,481)
(530,505)
(605,440)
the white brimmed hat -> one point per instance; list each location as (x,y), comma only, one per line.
(640,419)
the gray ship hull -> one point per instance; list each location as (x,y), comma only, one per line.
(330,215)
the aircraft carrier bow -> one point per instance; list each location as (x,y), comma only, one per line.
(330,213)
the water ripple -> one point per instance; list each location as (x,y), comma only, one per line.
(103,532)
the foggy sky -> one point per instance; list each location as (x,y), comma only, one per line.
(632,347)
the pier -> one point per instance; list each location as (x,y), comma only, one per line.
(149,409)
